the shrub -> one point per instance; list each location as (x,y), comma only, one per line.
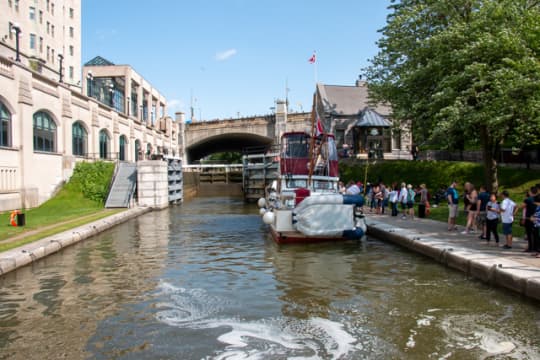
(92,179)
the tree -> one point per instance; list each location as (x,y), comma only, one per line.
(466,67)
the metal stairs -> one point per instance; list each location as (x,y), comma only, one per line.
(123,186)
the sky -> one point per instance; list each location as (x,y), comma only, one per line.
(233,58)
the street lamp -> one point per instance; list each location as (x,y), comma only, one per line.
(16,29)
(60,60)
(89,80)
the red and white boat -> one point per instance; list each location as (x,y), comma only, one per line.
(304,204)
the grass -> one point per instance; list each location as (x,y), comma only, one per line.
(11,243)
(68,209)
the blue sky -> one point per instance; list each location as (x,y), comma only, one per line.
(235,56)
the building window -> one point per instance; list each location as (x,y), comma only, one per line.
(71,13)
(52,30)
(71,32)
(48,2)
(71,50)
(52,8)
(48,53)
(103,145)
(17,5)
(10,32)
(41,16)
(48,27)
(32,41)
(80,139)
(10,3)
(138,151)
(40,44)
(5,126)
(44,132)
(52,56)
(122,150)
(71,72)
(32,13)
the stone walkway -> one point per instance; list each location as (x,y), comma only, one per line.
(513,269)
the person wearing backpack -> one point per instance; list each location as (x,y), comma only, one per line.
(453,200)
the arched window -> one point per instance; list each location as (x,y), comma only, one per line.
(5,126)
(44,132)
(138,151)
(104,145)
(122,150)
(80,139)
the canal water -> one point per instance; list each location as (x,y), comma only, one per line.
(204,281)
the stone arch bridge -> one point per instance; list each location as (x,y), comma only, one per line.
(203,138)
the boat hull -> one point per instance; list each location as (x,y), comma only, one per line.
(296,237)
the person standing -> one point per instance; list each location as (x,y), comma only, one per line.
(393,198)
(492,218)
(508,210)
(529,208)
(471,198)
(453,200)
(483,198)
(423,201)
(403,200)
(410,200)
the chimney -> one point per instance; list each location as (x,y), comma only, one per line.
(360,82)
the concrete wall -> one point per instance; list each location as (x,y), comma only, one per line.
(152,184)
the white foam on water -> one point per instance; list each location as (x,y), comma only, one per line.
(410,341)
(314,338)
(425,321)
(466,332)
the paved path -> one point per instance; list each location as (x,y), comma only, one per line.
(513,269)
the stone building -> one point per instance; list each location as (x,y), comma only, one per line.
(48,34)
(366,129)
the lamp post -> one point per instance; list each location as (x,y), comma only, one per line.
(60,72)
(16,29)
(89,80)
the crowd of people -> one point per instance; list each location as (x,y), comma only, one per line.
(484,210)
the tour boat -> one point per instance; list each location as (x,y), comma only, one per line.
(304,205)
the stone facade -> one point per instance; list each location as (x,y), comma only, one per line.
(28,177)
(47,29)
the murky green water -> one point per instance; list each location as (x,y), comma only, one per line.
(204,281)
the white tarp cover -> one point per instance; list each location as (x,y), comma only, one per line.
(324,219)
(318,199)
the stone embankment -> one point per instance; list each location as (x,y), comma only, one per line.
(512,269)
(13,259)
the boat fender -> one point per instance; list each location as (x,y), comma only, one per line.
(353,234)
(262,211)
(268,218)
(357,200)
(261,202)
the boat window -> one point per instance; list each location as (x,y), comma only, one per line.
(296,183)
(296,146)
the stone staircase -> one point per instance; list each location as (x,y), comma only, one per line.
(123,186)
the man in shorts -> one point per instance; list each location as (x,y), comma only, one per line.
(508,210)
(453,200)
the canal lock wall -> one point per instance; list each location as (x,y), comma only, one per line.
(491,269)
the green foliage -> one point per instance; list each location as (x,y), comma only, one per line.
(92,180)
(463,71)
(225,158)
(436,174)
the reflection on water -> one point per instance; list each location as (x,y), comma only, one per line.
(204,281)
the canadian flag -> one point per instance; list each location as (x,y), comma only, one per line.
(313,58)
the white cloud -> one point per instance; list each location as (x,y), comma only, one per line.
(225,55)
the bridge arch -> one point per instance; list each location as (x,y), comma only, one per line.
(233,142)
